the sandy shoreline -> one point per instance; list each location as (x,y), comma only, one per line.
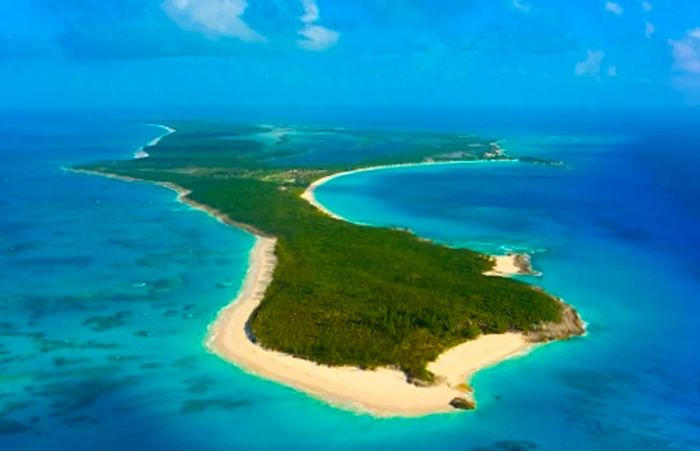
(504,265)
(308,194)
(382,392)
(142,153)
(512,265)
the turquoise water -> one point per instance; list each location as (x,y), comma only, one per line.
(107,289)
(613,237)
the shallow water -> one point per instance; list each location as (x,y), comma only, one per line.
(614,241)
(107,289)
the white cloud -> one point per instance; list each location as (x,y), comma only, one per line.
(612,71)
(649,29)
(613,8)
(591,65)
(311,13)
(521,6)
(686,52)
(316,37)
(647,6)
(215,17)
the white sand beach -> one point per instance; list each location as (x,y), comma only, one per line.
(506,265)
(383,392)
(308,194)
(142,153)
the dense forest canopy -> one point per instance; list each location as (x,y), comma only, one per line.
(343,294)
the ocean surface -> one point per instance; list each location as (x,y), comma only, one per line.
(107,289)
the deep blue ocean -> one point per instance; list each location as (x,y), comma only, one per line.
(107,289)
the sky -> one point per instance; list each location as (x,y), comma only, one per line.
(367,53)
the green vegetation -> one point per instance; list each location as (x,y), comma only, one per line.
(343,293)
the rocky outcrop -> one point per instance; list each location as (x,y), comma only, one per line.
(569,326)
(524,263)
(463,404)
(418,382)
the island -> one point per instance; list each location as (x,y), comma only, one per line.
(367,318)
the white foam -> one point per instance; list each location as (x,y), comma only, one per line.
(141,153)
